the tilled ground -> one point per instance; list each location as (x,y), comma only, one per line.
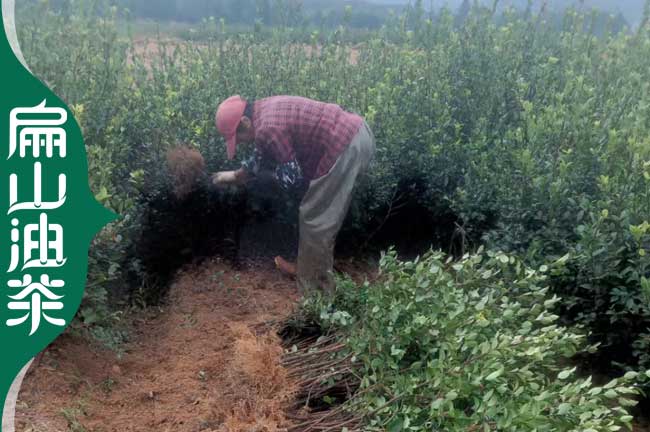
(205,361)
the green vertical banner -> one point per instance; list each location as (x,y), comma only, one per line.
(48,217)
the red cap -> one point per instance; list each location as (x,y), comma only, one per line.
(227,119)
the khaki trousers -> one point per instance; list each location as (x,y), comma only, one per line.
(323,210)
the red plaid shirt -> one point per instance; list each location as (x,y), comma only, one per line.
(295,128)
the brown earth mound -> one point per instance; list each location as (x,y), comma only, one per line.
(206,361)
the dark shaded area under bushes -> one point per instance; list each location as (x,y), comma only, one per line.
(260,221)
(207,222)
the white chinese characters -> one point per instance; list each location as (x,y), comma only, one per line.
(31,300)
(42,131)
(37,244)
(37,202)
(41,244)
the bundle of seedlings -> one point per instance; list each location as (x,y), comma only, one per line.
(326,379)
(320,362)
(322,368)
(444,345)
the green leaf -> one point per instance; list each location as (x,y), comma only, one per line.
(102,195)
(611,384)
(563,408)
(481,304)
(396,425)
(565,373)
(494,375)
(631,375)
(595,391)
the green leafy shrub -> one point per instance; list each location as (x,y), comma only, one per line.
(472,344)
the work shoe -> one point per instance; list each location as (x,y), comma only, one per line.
(284,266)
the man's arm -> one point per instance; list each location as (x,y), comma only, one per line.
(288,173)
(249,169)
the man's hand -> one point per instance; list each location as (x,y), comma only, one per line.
(227,178)
(224,178)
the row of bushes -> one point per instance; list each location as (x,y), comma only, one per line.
(469,344)
(510,133)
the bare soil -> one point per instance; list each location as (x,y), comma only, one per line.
(206,361)
(152,49)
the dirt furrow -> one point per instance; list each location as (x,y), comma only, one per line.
(204,361)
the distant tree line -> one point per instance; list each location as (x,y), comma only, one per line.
(324,14)
(292,13)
